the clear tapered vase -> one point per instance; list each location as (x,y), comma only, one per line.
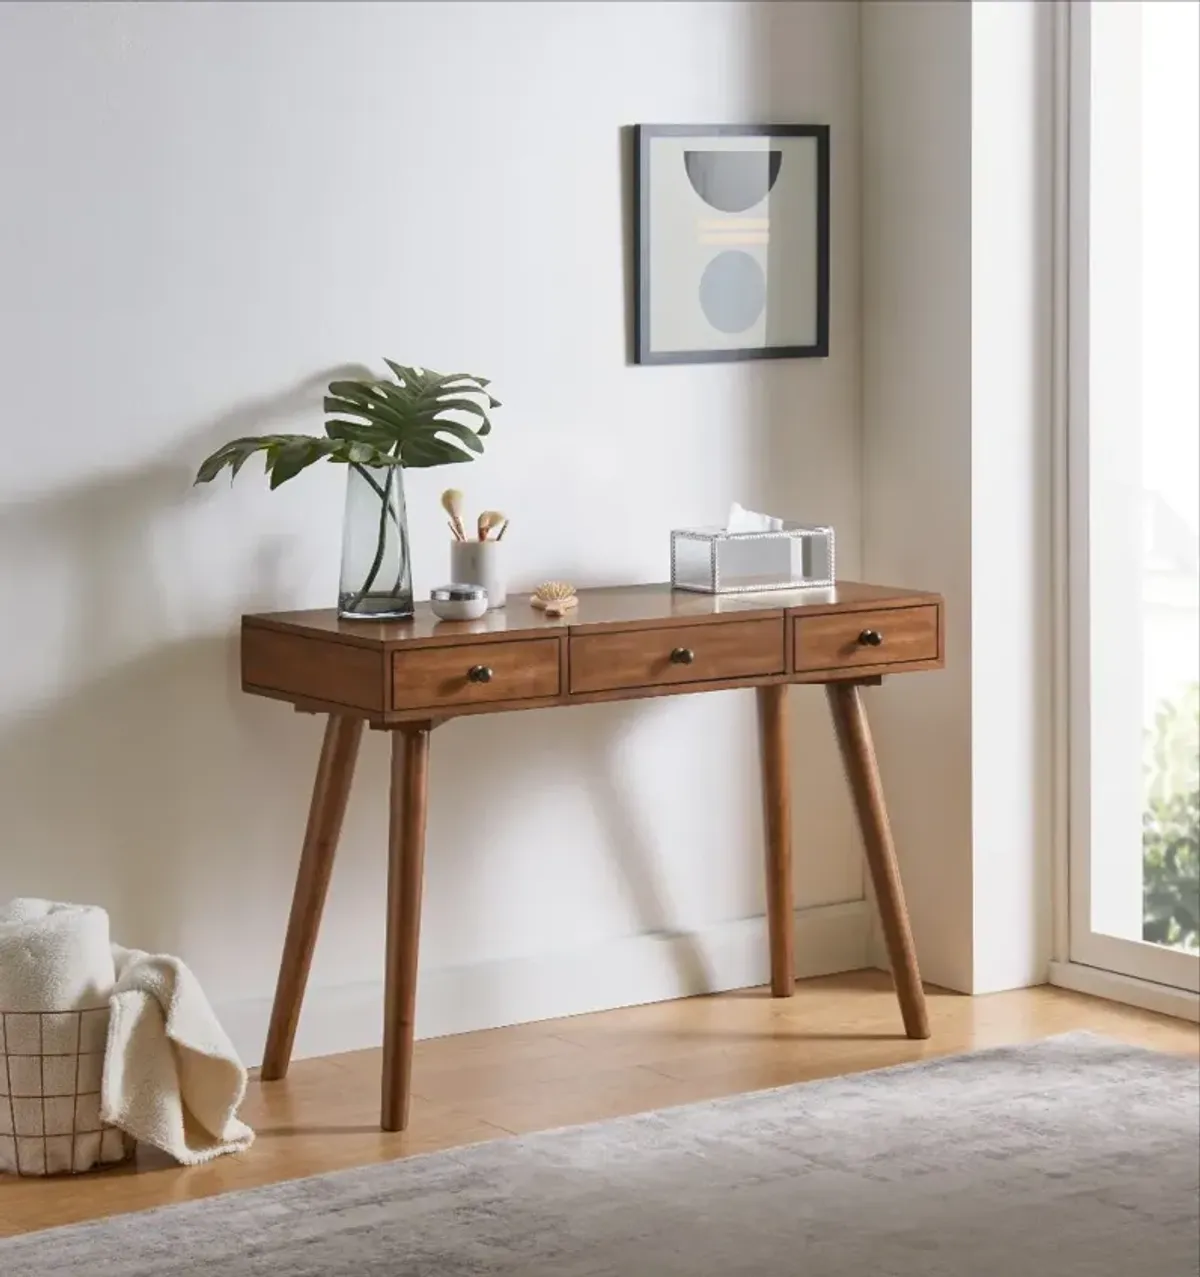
(376,581)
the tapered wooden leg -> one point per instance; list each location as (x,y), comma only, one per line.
(777,826)
(862,770)
(406,863)
(331,790)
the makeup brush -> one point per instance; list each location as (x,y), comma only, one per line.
(488,520)
(452,503)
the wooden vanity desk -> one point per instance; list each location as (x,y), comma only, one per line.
(621,643)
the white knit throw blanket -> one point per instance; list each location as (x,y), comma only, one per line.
(170,1076)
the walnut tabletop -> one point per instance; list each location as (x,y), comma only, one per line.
(372,669)
(620,643)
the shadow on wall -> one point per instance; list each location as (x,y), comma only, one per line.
(801,416)
(809,408)
(104,788)
(515,760)
(152,785)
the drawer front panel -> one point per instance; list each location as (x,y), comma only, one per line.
(678,654)
(474,673)
(847,640)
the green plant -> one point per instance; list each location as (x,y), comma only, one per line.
(1171,870)
(413,421)
(1172,761)
(420,419)
(1171,825)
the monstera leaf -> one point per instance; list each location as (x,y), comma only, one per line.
(422,418)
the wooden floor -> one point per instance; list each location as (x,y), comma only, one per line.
(483,1086)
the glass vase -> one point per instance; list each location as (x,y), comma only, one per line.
(376,582)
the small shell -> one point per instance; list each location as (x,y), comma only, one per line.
(558,593)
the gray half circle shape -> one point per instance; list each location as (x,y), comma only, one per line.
(732,181)
(733,291)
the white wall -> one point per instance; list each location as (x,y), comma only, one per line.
(957,462)
(1012,476)
(916,439)
(207,210)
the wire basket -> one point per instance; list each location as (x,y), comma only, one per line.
(51,1064)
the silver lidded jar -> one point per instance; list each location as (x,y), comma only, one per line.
(458,602)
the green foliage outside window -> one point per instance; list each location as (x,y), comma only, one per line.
(1171,825)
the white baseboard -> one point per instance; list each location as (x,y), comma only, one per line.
(628,972)
(1121,988)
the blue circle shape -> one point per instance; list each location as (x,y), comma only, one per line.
(733,291)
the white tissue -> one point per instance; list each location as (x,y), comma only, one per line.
(743,520)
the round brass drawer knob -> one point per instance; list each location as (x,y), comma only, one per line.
(870,638)
(682,656)
(480,673)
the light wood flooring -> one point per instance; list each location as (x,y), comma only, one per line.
(483,1086)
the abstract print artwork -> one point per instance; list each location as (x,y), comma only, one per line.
(732,251)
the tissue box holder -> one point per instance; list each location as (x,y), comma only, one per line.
(713,561)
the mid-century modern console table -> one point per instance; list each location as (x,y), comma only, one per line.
(619,644)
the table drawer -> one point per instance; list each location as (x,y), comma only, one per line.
(846,640)
(475,673)
(676,654)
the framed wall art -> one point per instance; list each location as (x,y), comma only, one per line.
(732,242)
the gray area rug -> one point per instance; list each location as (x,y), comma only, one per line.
(1075,1157)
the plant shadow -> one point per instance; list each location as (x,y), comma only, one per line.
(123,789)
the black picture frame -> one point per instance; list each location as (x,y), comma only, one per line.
(642,133)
